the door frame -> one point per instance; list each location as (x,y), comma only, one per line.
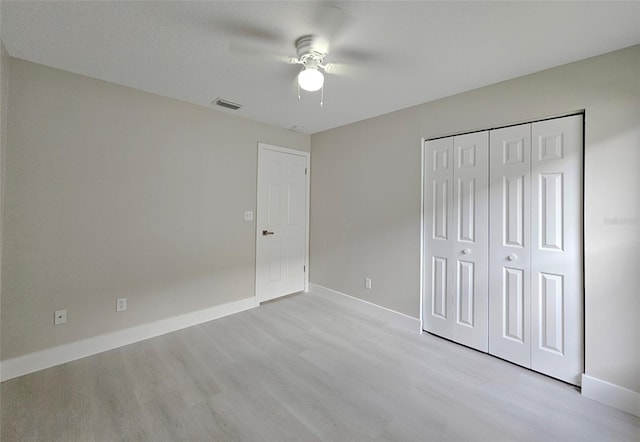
(307,155)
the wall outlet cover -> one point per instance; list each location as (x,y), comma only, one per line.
(60,317)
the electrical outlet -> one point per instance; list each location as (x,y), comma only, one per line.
(60,317)
(248,215)
(121,304)
(367,283)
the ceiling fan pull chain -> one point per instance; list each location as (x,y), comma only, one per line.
(299,92)
(322,96)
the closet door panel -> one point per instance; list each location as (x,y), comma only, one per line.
(557,292)
(470,242)
(438,267)
(510,248)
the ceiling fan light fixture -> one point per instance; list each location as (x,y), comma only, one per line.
(310,79)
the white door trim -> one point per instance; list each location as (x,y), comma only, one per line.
(307,156)
(423,149)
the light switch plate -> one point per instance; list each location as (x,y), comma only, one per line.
(121,304)
(248,215)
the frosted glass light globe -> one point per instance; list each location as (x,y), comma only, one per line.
(310,79)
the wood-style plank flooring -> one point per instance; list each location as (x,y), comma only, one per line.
(302,368)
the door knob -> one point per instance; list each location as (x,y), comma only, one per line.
(266,232)
(466,251)
(512,257)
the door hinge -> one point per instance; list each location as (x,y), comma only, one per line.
(304,268)
(305,170)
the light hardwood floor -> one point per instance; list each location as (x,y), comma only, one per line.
(302,368)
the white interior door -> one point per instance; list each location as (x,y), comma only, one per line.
(556,253)
(503,243)
(470,252)
(456,239)
(281,222)
(510,248)
(438,204)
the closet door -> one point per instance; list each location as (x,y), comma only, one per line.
(456,239)
(438,209)
(510,248)
(470,252)
(557,293)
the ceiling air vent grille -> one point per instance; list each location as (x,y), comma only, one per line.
(226,104)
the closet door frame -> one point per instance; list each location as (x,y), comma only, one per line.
(579,316)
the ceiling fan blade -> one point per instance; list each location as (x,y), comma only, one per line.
(356,55)
(257,52)
(331,22)
(244,30)
(343,69)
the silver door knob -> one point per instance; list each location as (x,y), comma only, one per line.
(512,257)
(266,232)
(466,251)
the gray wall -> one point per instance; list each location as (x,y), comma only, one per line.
(365,196)
(113,192)
(4,101)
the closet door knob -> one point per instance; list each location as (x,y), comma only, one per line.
(512,257)
(466,251)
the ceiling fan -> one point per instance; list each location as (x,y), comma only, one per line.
(311,52)
(326,25)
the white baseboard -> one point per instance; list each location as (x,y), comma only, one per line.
(21,365)
(611,394)
(398,319)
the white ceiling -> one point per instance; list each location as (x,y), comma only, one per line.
(397,54)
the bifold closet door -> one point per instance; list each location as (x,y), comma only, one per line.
(536,295)
(456,241)
(470,285)
(556,253)
(510,245)
(438,205)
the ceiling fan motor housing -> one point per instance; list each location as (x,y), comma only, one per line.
(311,51)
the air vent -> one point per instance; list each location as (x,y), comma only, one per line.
(226,103)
